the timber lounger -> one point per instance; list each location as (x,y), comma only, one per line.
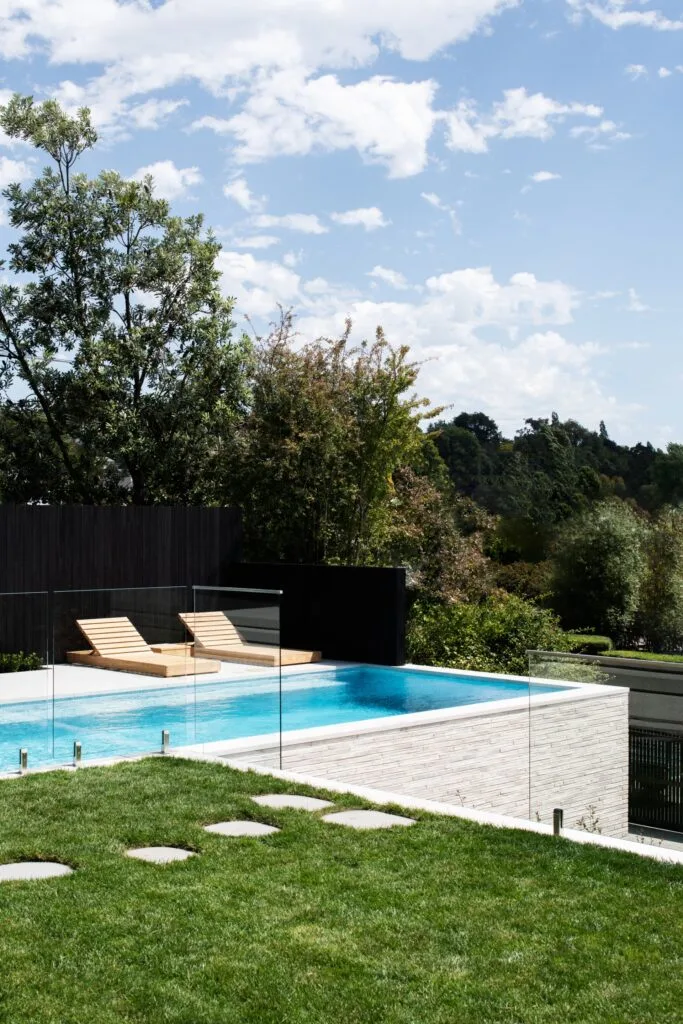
(216,636)
(116,644)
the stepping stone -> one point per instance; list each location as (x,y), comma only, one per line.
(367,819)
(30,870)
(299,803)
(160,854)
(241,828)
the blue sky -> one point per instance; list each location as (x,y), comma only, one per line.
(496,183)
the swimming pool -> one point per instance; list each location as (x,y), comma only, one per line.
(130,722)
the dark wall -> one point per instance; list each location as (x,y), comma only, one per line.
(56,548)
(349,613)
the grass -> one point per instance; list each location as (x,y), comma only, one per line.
(644,656)
(446,922)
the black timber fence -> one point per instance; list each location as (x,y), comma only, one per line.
(349,613)
(49,549)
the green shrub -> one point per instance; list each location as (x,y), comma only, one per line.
(20,662)
(490,637)
(586,643)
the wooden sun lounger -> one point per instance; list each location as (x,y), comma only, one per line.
(216,636)
(116,644)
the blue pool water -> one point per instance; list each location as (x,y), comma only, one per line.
(117,724)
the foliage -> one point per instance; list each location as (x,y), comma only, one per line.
(20,662)
(439,540)
(587,643)
(327,429)
(445,921)
(598,569)
(530,580)
(660,609)
(493,636)
(112,322)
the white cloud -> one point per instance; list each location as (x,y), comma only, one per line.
(530,366)
(386,121)
(390,277)
(484,344)
(664,73)
(519,114)
(170,182)
(213,41)
(281,62)
(255,242)
(635,304)
(153,113)
(272,56)
(617,14)
(635,71)
(292,259)
(599,136)
(307,223)
(13,170)
(239,191)
(258,285)
(540,176)
(369,217)
(434,200)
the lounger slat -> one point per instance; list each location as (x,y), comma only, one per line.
(124,638)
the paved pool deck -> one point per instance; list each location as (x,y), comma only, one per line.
(80,681)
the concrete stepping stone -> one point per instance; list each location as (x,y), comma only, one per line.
(32,870)
(241,828)
(367,819)
(160,854)
(299,803)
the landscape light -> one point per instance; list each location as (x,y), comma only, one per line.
(165,740)
(23,759)
(77,752)
(558,815)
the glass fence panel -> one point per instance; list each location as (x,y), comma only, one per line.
(122,672)
(578,744)
(237,695)
(25,692)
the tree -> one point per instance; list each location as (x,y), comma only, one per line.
(482,426)
(463,455)
(327,428)
(115,327)
(667,472)
(660,612)
(598,568)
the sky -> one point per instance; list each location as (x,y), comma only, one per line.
(496,183)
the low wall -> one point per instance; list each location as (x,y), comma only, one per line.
(518,757)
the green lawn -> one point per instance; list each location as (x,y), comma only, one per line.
(444,922)
(644,656)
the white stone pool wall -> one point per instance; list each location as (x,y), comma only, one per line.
(514,757)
